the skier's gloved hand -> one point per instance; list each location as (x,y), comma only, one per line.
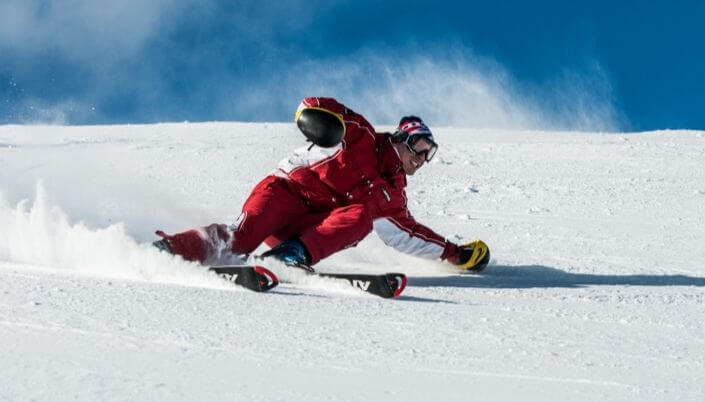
(321,126)
(472,256)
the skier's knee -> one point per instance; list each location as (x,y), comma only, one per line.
(362,216)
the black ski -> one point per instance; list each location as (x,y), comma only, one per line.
(260,279)
(255,277)
(387,285)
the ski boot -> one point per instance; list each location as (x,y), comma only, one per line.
(293,253)
(207,244)
(163,245)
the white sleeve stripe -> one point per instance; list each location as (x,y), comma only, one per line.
(419,235)
(309,157)
(395,236)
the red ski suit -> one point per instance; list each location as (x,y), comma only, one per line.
(330,198)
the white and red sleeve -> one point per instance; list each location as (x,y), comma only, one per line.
(407,236)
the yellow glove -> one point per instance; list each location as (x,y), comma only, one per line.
(474,256)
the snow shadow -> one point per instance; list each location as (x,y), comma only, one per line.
(539,276)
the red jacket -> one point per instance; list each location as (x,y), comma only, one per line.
(363,169)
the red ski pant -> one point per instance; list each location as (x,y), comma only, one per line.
(273,213)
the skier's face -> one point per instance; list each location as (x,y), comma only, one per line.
(416,151)
(411,162)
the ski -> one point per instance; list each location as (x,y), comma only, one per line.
(253,277)
(389,285)
(260,279)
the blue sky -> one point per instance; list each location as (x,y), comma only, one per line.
(598,65)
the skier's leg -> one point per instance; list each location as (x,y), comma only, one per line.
(271,205)
(200,244)
(294,229)
(342,228)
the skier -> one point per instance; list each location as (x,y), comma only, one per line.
(330,195)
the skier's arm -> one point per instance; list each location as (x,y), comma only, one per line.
(398,228)
(409,237)
(406,235)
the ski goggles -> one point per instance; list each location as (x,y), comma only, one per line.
(421,144)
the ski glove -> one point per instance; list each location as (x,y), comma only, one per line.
(472,256)
(321,126)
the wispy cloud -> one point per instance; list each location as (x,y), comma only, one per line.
(82,30)
(97,61)
(447,86)
(61,59)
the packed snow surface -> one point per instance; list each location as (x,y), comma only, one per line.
(596,290)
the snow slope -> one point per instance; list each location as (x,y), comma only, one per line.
(596,291)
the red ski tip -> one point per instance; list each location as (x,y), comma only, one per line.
(400,285)
(266,277)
